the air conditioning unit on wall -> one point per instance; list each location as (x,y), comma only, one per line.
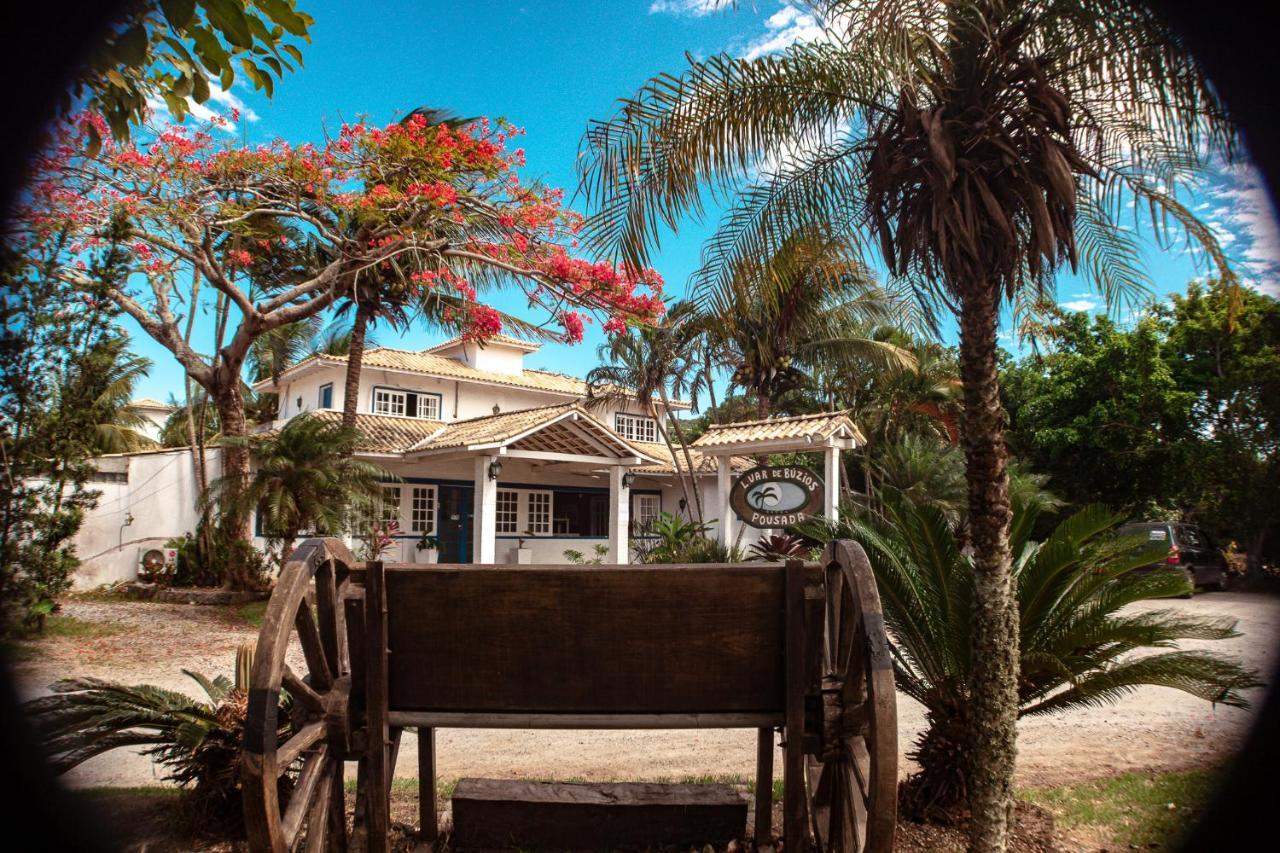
(156,563)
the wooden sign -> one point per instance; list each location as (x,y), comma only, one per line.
(776,495)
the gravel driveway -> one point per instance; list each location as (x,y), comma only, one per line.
(1152,729)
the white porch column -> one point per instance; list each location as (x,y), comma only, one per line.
(484,533)
(727,525)
(831,474)
(619,516)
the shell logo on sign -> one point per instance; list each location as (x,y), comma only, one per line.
(776,495)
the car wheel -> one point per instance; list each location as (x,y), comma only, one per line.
(1220,583)
(1191,579)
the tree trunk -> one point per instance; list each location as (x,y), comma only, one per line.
(675,460)
(235,519)
(688,458)
(994,688)
(355,360)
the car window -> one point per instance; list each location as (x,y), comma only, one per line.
(1152,532)
(1190,537)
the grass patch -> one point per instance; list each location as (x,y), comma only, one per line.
(26,647)
(70,626)
(1136,809)
(253,612)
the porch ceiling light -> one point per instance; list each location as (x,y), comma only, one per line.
(495,469)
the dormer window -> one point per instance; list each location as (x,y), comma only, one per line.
(635,427)
(406,404)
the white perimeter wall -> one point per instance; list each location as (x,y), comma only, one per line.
(160,496)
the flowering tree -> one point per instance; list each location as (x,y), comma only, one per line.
(442,207)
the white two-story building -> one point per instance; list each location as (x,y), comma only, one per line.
(497,462)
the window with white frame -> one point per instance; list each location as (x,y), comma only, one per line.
(391,504)
(644,511)
(540,513)
(408,404)
(507,516)
(635,427)
(422,510)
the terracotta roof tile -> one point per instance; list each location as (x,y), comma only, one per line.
(702,464)
(386,433)
(493,428)
(430,364)
(820,426)
(529,346)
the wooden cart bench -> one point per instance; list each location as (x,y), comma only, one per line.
(793,648)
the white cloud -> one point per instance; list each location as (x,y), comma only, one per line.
(1244,221)
(785,27)
(1084,304)
(688,8)
(227,103)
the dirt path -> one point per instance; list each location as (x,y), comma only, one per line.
(1151,729)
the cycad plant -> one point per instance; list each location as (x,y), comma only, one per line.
(197,742)
(1079,644)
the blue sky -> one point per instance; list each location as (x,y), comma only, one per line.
(552,65)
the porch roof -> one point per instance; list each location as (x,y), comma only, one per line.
(798,433)
(563,431)
(702,462)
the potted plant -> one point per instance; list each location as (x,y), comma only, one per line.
(524,556)
(428,549)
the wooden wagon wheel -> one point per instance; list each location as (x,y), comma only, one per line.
(306,608)
(852,775)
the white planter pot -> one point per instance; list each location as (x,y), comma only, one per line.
(426,555)
(524,556)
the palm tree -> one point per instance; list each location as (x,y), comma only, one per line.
(772,321)
(117,427)
(305,479)
(1077,643)
(975,146)
(650,363)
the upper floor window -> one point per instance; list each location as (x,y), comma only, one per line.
(635,427)
(406,404)
(326,396)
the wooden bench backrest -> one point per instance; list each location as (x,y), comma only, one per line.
(586,639)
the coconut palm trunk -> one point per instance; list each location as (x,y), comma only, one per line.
(355,361)
(675,459)
(994,687)
(688,458)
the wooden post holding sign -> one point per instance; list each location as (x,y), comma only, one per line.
(773,496)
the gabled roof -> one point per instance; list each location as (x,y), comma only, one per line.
(149,403)
(500,340)
(557,429)
(802,431)
(428,363)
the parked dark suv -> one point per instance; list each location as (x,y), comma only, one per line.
(1190,549)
